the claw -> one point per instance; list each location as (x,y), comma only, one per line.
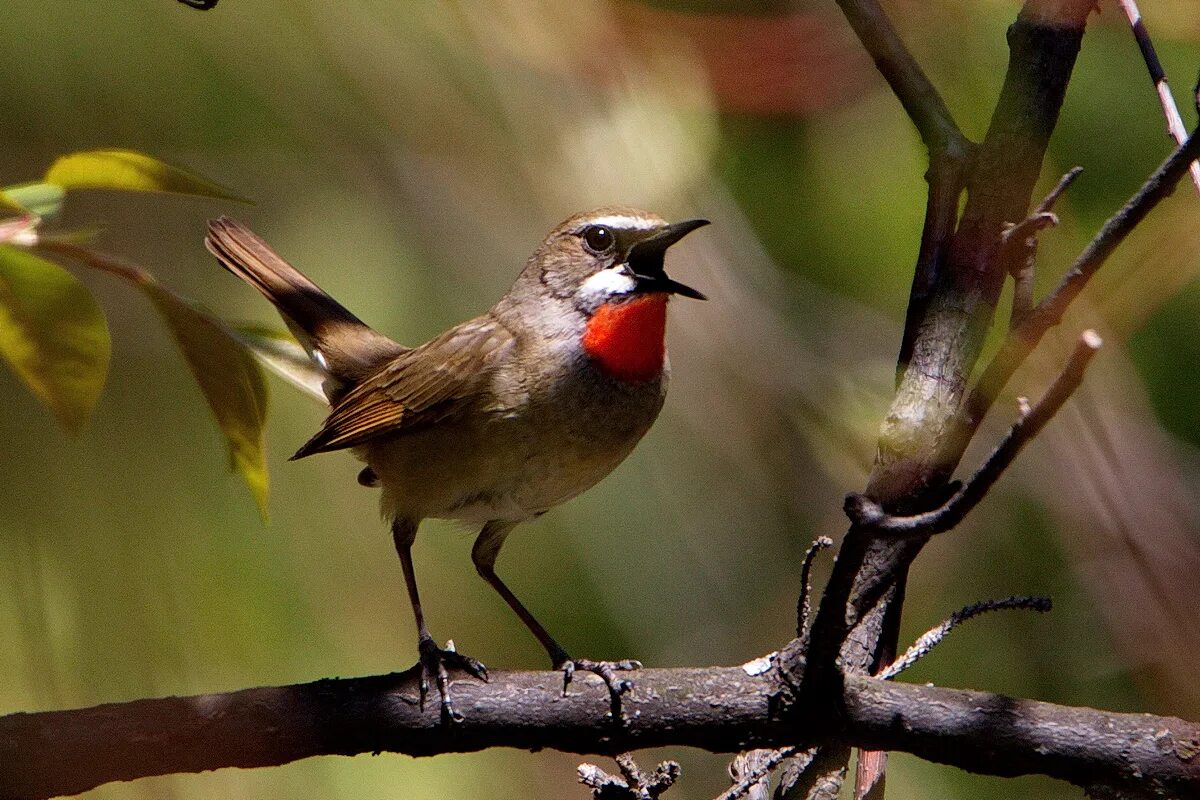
(434,663)
(607,670)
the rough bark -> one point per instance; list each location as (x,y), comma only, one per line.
(722,709)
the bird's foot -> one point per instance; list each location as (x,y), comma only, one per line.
(435,664)
(607,670)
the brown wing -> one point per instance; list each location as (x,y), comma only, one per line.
(418,388)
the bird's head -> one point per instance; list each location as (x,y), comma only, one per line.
(611,255)
(608,266)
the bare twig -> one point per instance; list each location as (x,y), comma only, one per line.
(752,770)
(796,766)
(1158,77)
(956,278)
(1047,314)
(867,513)
(1022,239)
(1041,217)
(635,785)
(949,150)
(817,775)
(904,75)
(917,446)
(934,637)
(802,605)
(1059,189)
(1020,234)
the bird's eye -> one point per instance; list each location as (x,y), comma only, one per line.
(598,238)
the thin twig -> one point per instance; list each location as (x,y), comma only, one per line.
(635,785)
(904,75)
(934,637)
(816,774)
(866,512)
(803,609)
(749,769)
(1158,77)
(1019,234)
(949,150)
(1063,184)
(1022,238)
(1047,314)
(96,260)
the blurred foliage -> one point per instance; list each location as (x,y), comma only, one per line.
(52,334)
(409,156)
(56,338)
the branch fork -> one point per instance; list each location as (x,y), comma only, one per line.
(868,514)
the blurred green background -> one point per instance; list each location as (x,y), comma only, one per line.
(408,156)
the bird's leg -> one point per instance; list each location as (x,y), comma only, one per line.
(434,660)
(483,554)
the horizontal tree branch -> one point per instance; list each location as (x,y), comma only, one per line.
(722,709)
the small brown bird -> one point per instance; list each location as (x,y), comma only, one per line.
(500,418)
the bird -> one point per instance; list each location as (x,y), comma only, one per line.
(502,417)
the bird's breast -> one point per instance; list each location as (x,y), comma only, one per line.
(627,340)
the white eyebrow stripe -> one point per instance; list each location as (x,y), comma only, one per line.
(625,221)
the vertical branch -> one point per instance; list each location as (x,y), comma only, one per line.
(945,176)
(949,150)
(950,153)
(916,450)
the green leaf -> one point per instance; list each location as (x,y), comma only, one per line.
(43,199)
(53,334)
(130,171)
(229,378)
(282,354)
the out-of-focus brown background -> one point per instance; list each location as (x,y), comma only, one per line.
(409,156)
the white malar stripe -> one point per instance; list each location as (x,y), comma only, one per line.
(625,222)
(606,283)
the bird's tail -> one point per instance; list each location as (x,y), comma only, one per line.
(339,342)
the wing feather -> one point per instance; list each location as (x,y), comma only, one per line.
(418,388)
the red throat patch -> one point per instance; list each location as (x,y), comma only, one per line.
(629,339)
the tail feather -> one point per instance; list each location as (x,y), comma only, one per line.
(342,344)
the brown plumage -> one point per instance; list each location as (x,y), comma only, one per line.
(504,416)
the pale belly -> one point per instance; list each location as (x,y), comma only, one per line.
(512,466)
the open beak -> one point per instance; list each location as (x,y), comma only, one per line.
(646,260)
